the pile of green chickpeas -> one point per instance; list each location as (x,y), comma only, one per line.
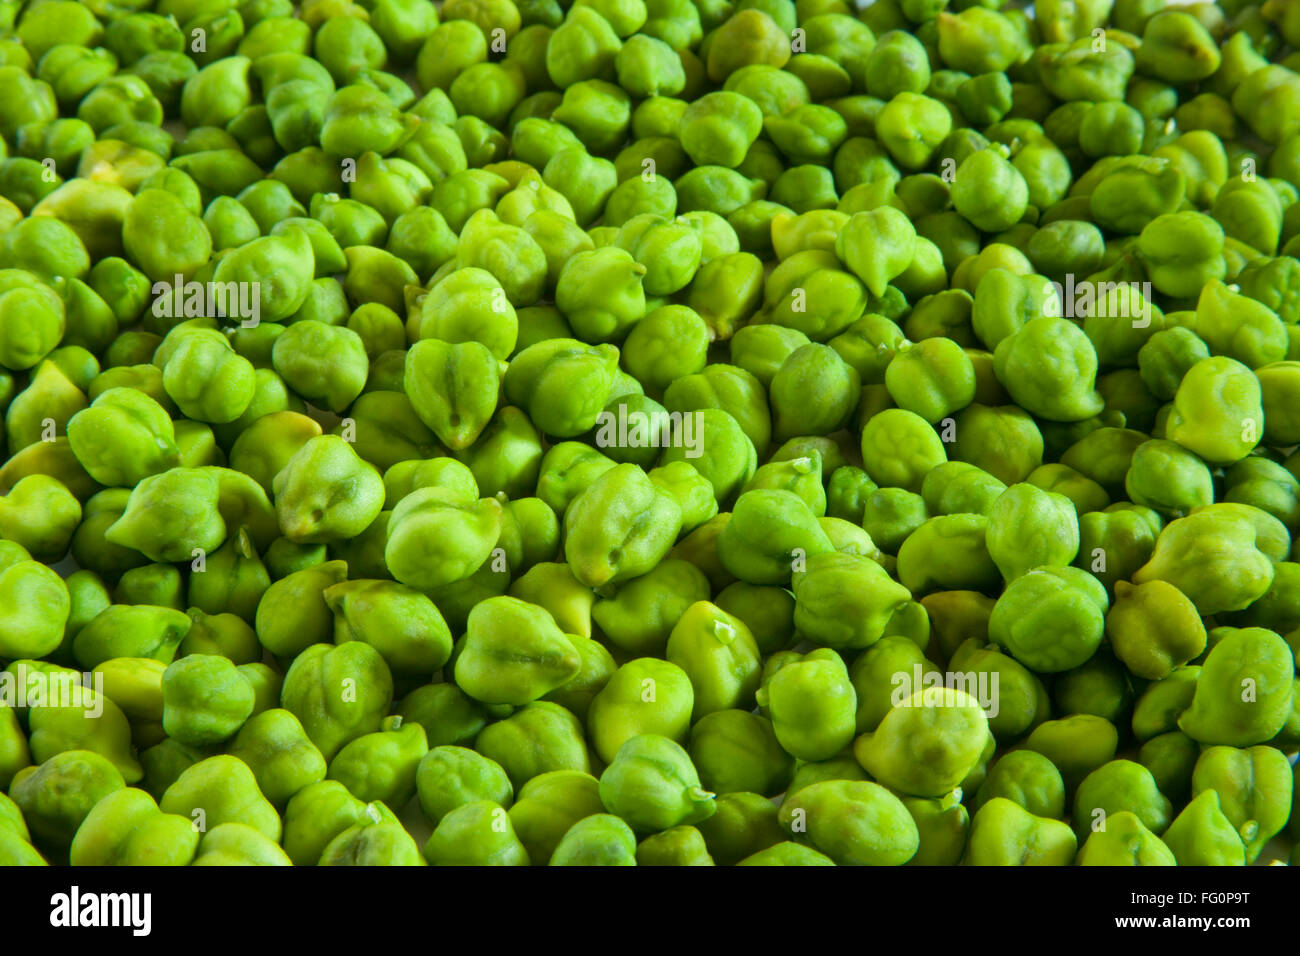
(649,432)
